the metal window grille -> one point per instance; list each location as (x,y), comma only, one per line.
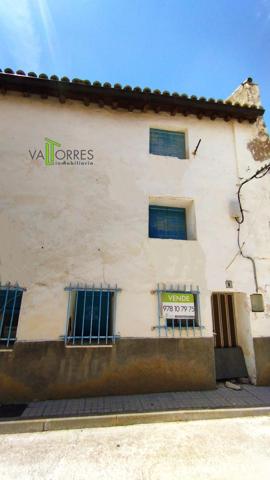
(10,304)
(167,222)
(167,143)
(177,325)
(90,315)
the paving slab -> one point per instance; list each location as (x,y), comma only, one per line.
(222,397)
(143,408)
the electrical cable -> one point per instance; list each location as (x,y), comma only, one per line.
(256,175)
(249,258)
(259,174)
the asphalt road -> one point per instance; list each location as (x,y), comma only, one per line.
(210,449)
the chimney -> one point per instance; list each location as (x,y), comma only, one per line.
(248,93)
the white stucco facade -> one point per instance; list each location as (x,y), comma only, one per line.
(89,224)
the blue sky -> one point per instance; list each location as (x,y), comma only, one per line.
(201,47)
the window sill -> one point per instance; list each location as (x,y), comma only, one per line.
(6,350)
(89,346)
(183,328)
(168,157)
(175,239)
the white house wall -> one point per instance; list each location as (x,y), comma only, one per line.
(62,224)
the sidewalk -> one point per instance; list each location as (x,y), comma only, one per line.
(249,396)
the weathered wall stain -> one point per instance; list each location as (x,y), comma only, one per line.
(259,146)
(49,370)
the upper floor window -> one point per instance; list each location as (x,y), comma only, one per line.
(167,222)
(167,143)
(91,315)
(10,305)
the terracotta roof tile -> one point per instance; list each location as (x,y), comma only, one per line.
(124,97)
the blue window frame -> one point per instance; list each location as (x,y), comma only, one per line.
(10,304)
(167,143)
(167,222)
(90,315)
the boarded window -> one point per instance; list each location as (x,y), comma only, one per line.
(167,222)
(164,142)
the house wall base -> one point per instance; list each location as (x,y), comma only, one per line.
(262,358)
(49,370)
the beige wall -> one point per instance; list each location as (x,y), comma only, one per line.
(90,224)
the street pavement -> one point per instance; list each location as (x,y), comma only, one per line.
(222,397)
(211,449)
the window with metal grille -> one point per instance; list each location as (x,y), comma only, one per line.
(167,143)
(90,317)
(167,222)
(10,304)
(178,311)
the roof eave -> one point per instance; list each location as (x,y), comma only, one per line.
(130,100)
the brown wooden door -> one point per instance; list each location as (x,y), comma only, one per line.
(223,320)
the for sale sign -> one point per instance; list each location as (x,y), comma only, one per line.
(178,305)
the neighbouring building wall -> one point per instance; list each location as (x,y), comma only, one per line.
(244,333)
(255,238)
(252,153)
